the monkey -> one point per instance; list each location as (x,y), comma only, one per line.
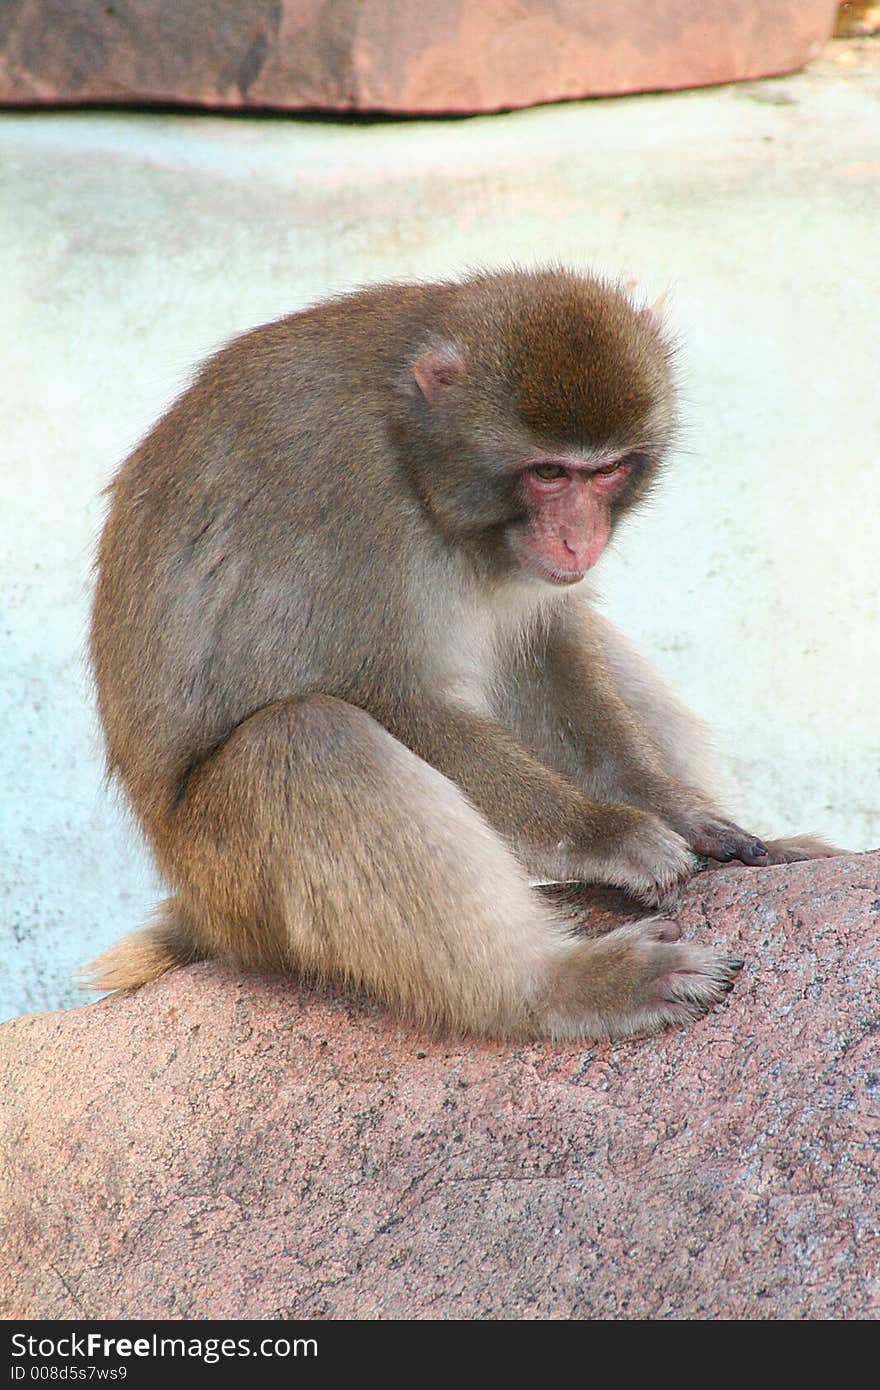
(353,682)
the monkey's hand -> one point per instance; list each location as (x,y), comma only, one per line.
(641,854)
(722,840)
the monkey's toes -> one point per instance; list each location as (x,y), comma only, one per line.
(697,978)
(667,931)
(636,979)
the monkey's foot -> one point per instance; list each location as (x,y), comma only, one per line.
(636,979)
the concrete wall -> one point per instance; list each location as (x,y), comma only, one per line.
(131,245)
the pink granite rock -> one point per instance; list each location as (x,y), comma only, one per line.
(393,55)
(857,19)
(221,1145)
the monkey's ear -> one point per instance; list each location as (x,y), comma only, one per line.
(436,369)
(655,314)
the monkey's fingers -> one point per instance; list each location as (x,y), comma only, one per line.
(723,841)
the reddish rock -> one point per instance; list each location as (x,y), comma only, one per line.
(220,1145)
(393,55)
(857,19)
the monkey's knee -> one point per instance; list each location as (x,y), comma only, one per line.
(308,719)
(320,727)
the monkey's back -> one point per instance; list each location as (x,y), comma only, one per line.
(224,573)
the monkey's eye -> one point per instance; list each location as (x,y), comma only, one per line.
(549,472)
(608,469)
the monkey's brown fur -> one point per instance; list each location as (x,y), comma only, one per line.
(354,695)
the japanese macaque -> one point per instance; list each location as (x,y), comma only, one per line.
(352,681)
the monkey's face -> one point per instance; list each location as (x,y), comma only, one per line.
(539,414)
(567,504)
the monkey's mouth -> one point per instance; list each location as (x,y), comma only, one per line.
(546,570)
(542,566)
(560,577)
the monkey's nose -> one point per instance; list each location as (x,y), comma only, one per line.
(583,555)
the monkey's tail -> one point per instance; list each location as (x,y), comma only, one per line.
(144,955)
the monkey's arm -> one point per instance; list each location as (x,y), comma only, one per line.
(555,828)
(679,741)
(625,737)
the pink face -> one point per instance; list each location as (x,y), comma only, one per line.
(568,524)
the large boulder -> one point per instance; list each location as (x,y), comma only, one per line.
(392,55)
(231,1145)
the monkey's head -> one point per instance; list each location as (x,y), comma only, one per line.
(538,412)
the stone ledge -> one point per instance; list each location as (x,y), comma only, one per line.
(222,1145)
(452,56)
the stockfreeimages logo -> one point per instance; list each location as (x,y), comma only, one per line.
(94,1346)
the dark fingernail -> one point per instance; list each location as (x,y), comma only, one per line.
(728,852)
(734,963)
(760,848)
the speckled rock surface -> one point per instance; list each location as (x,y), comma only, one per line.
(220,1145)
(393,55)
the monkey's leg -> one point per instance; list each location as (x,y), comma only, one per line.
(314,839)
